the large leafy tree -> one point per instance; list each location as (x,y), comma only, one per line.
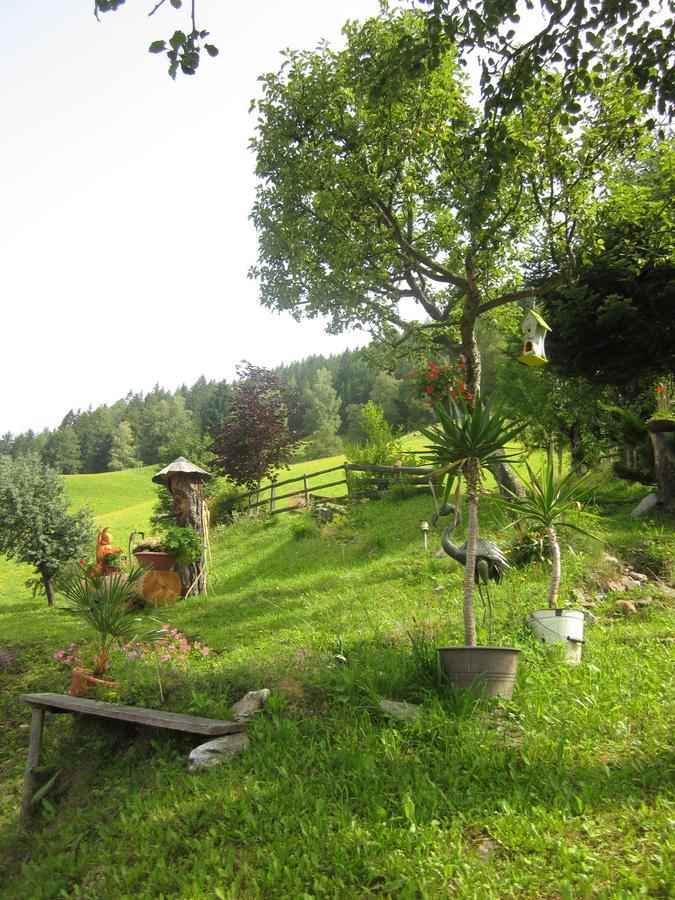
(616,325)
(255,441)
(574,35)
(403,207)
(36,526)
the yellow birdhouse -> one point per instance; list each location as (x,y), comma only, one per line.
(534,334)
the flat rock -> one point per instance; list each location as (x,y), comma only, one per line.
(629,584)
(625,607)
(399,709)
(250,704)
(211,754)
(640,576)
(487,848)
(646,505)
(612,560)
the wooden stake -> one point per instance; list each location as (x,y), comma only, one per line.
(34,745)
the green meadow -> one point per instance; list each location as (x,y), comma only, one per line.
(563,792)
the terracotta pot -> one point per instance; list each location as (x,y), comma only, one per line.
(82,679)
(156,560)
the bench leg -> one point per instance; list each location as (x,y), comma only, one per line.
(34,744)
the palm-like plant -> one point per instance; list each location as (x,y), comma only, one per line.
(106,604)
(547,503)
(467,441)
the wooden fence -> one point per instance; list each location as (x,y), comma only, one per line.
(381,478)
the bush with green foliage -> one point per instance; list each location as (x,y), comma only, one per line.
(382,447)
(36,526)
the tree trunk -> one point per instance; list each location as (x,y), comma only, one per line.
(187,511)
(664,468)
(470,566)
(556,570)
(560,459)
(49,588)
(577,447)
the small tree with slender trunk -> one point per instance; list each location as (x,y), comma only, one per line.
(547,503)
(255,441)
(36,526)
(470,438)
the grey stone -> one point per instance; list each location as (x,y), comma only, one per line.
(643,602)
(211,754)
(640,576)
(399,709)
(250,704)
(590,618)
(612,560)
(646,505)
(487,848)
(629,584)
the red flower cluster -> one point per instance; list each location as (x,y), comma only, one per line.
(440,383)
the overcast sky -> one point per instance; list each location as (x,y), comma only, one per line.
(124,233)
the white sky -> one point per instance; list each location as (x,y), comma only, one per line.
(124,201)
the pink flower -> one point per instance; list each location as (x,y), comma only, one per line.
(164,628)
(206,651)
(165,658)
(59,654)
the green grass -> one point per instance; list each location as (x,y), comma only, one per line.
(569,781)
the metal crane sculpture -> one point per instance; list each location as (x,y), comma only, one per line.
(490,560)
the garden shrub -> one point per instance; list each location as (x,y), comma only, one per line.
(223,504)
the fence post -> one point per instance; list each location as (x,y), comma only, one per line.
(304,479)
(272,493)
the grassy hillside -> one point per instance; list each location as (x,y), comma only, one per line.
(562,792)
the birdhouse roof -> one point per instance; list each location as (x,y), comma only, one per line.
(535,315)
(180,466)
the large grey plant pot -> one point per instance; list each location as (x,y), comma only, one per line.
(488,671)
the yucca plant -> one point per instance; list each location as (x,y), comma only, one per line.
(468,440)
(106,605)
(547,503)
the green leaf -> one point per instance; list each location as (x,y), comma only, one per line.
(157,47)
(176,3)
(211,49)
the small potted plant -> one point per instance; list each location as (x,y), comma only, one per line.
(546,504)
(471,436)
(113,562)
(664,417)
(107,606)
(153,555)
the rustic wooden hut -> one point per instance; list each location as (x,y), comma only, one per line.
(184,480)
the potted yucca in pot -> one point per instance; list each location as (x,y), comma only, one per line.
(547,503)
(469,438)
(107,606)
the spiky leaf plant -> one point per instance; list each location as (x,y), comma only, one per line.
(467,440)
(106,605)
(547,503)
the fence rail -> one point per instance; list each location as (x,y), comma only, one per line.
(418,476)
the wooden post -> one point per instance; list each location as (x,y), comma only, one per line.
(34,745)
(304,479)
(272,493)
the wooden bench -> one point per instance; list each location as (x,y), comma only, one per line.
(62,703)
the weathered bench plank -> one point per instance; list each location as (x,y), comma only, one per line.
(154,718)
